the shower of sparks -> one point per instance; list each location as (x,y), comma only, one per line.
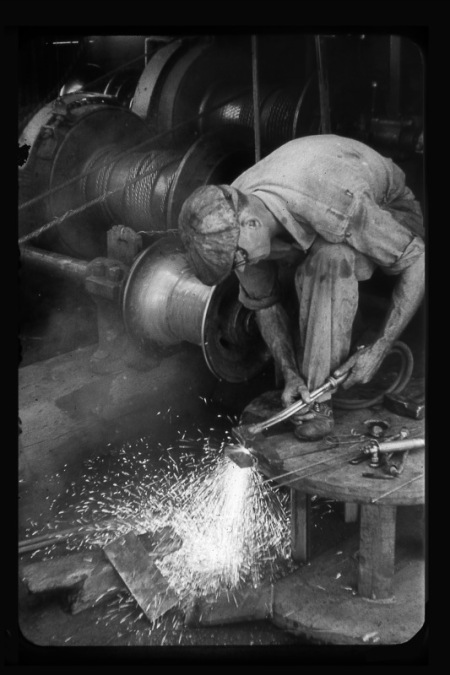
(234,531)
(223,526)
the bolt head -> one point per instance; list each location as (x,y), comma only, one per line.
(98,269)
(115,273)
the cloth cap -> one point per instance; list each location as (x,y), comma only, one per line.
(209,229)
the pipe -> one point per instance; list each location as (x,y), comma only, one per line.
(394,65)
(406,444)
(400,382)
(256,124)
(323,87)
(61,265)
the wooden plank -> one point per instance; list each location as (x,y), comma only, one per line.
(377,551)
(248,604)
(141,576)
(103,583)
(300,526)
(59,574)
(351,512)
(88,577)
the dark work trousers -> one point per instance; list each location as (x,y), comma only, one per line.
(327,289)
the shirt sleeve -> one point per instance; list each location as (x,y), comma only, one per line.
(376,233)
(259,287)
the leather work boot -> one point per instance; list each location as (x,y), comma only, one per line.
(321,424)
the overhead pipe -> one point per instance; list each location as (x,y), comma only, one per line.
(255,87)
(61,265)
(394,76)
(323,86)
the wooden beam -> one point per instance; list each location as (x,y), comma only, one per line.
(300,526)
(377,551)
(141,576)
(88,578)
(351,512)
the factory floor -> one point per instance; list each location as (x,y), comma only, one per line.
(48,633)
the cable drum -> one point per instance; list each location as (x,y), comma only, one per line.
(163,186)
(137,196)
(277,119)
(164,304)
(65,138)
(236,112)
(122,86)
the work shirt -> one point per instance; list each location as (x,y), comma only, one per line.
(338,189)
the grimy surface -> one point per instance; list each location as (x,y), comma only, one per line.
(322,467)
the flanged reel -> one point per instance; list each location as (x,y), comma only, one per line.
(63,136)
(164,304)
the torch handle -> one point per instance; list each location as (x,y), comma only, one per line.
(329,384)
(406,444)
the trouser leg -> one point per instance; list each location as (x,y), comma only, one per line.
(327,289)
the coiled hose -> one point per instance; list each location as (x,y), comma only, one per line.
(402,379)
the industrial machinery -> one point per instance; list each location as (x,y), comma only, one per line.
(107,171)
(189,89)
(97,166)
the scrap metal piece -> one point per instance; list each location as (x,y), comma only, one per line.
(247,604)
(405,407)
(139,573)
(243,457)
(377,428)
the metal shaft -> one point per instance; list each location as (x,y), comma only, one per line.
(406,444)
(64,266)
(256,123)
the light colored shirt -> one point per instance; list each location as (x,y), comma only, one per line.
(338,189)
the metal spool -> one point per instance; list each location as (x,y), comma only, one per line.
(235,112)
(285,113)
(212,159)
(142,203)
(168,178)
(306,119)
(145,99)
(277,118)
(165,304)
(71,131)
(173,84)
(122,86)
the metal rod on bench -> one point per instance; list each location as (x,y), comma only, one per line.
(399,487)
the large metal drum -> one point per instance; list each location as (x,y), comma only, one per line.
(164,304)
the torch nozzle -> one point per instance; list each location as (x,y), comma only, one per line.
(240,455)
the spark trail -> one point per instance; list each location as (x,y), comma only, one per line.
(233,528)
(234,531)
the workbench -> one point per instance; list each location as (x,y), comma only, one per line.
(322,468)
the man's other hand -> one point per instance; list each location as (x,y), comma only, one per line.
(363,365)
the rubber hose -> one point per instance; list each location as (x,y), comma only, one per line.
(397,386)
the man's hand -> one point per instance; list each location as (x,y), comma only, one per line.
(295,389)
(363,365)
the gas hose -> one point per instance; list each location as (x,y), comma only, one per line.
(400,382)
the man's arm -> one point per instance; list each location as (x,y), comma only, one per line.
(406,298)
(274,326)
